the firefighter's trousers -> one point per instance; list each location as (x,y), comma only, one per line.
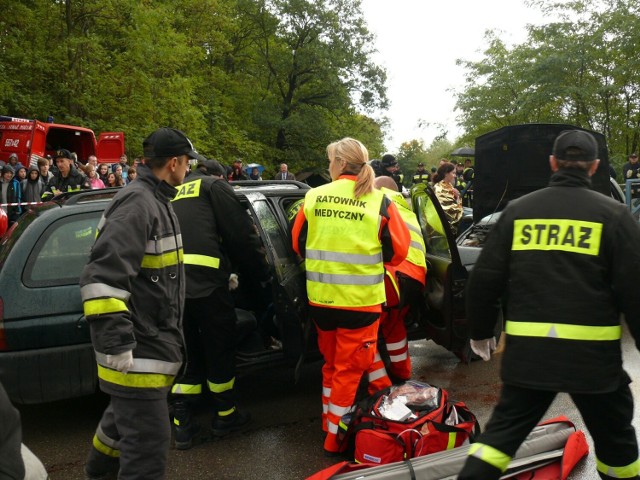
(209,325)
(135,431)
(607,416)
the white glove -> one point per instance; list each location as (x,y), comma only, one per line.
(483,348)
(122,362)
(233,281)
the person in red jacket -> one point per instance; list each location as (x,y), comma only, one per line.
(346,231)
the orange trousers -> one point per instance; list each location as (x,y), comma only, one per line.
(348,354)
(394,334)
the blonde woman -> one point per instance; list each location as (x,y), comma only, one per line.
(346,231)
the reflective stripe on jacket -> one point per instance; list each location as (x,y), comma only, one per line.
(343,253)
(132,289)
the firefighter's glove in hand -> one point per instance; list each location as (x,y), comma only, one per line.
(483,348)
(123,362)
(233,282)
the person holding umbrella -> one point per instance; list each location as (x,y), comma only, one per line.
(254,170)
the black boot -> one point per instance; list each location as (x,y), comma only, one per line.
(185,427)
(221,426)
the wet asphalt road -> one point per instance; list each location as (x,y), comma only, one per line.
(284,439)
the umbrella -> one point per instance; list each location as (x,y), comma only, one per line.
(251,166)
(463,152)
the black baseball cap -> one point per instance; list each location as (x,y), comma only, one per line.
(169,142)
(212,166)
(62,153)
(575,145)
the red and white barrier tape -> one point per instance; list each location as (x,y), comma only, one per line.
(19,204)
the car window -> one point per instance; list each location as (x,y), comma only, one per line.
(433,230)
(62,252)
(271,228)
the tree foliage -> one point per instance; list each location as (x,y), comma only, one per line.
(266,80)
(580,69)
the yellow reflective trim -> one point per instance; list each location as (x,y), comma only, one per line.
(135,380)
(186,389)
(563,330)
(201,260)
(103,306)
(490,455)
(105,449)
(188,190)
(221,387)
(452,440)
(226,413)
(161,261)
(555,234)
(628,471)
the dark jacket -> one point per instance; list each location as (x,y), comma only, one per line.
(133,285)
(14,195)
(565,258)
(32,190)
(217,229)
(76,180)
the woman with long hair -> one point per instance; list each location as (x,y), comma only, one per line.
(448,196)
(103,171)
(347,230)
(113,180)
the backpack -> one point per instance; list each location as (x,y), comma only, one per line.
(383,430)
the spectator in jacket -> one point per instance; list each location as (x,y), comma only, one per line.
(114,180)
(11,193)
(103,170)
(94,179)
(32,186)
(133,294)
(236,171)
(43,168)
(21,172)
(68,178)
(564,331)
(284,173)
(132,174)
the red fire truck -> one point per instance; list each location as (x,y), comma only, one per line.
(31,139)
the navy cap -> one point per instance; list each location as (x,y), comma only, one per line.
(62,153)
(575,145)
(169,142)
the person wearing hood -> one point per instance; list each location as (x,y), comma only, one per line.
(33,186)
(10,193)
(68,178)
(21,172)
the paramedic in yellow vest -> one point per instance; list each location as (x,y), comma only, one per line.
(346,231)
(567,256)
(404,284)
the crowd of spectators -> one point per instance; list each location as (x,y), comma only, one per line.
(24,185)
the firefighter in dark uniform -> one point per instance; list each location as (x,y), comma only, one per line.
(216,231)
(567,256)
(132,290)
(390,168)
(421,175)
(67,178)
